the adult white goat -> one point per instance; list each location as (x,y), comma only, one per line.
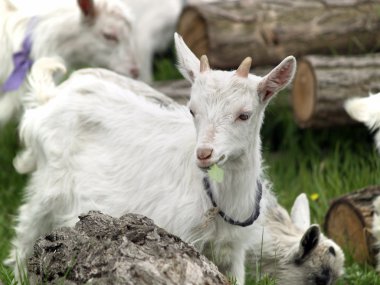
(97,146)
(295,252)
(95,34)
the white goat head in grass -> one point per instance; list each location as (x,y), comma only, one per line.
(227,107)
(295,252)
(366,110)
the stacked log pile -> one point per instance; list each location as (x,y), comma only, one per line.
(270,30)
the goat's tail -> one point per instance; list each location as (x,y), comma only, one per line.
(42,89)
(42,86)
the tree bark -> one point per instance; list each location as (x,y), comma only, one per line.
(130,250)
(270,30)
(349,222)
(323,83)
(179,90)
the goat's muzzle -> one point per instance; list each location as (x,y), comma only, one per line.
(204,157)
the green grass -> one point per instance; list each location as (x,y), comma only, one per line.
(10,186)
(329,162)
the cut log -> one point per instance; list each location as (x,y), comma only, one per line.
(349,222)
(270,30)
(179,90)
(323,83)
(131,250)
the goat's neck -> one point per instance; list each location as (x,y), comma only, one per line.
(236,195)
(55,34)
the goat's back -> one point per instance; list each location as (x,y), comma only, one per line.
(111,150)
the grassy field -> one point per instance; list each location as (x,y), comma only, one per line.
(328,162)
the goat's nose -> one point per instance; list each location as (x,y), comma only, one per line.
(135,72)
(204,153)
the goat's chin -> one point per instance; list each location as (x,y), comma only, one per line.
(234,161)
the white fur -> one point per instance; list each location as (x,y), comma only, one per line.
(67,33)
(367,111)
(155,23)
(98,146)
(282,248)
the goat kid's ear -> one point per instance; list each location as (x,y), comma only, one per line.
(277,79)
(308,242)
(300,213)
(188,63)
(88,8)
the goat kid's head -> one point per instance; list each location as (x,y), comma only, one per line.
(106,37)
(228,106)
(318,259)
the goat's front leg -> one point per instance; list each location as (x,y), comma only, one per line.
(230,261)
(237,269)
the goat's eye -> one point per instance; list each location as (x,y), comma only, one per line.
(192,113)
(244,116)
(111,37)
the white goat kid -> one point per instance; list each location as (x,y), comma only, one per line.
(90,33)
(366,110)
(97,146)
(295,252)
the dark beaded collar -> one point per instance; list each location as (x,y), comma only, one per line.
(255,214)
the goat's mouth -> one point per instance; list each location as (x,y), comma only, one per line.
(205,165)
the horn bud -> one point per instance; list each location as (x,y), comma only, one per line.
(205,66)
(244,67)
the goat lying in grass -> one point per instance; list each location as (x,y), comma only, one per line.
(92,34)
(366,110)
(97,146)
(293,251)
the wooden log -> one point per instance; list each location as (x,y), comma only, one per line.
(179,90)
(349,222)
(270,30)
(323,83)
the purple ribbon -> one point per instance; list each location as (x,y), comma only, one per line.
(21,62)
